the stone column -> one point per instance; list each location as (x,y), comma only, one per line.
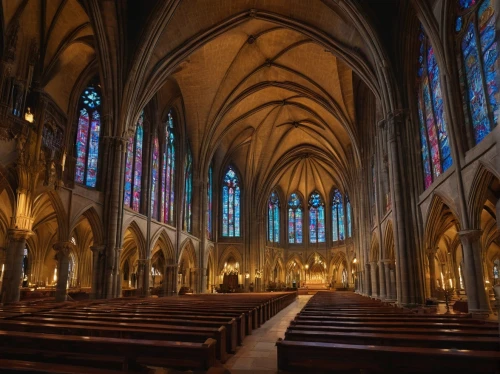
(381,274)
(388,289)
(204,280)
(194,279)
(367,281)
(473,271)
(14,265)
(373,273)
(393,284)
(62,256)
(431,255)
(97,258)
(118,273)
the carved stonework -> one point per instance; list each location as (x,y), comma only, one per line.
(62,249)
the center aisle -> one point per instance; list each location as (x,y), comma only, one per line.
(258,352)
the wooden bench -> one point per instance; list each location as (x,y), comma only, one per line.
(19,366)
(128,351)
(312,357)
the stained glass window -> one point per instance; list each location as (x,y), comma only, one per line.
(316,218)
(338,228)
(349,217)
(87,137)
(168,172)
(231,204)
(188,190)
(155,174)
(210,201)
(478,65)
(133,167)
(273,214)
(435,145)
(294,219)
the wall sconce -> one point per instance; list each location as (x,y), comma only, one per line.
(247,275)
(355,260)
(28,116)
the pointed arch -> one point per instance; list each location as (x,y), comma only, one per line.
(162,240)
(389,241)
(481,182)
(90,213)
(374,249)
(188,253)
(138,237)
(440,217)
(229,252)
(231,202)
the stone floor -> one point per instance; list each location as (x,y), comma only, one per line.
(258,352)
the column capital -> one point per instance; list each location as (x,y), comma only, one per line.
(472,234)
(19,235)
(431,251)
(63,248)
(388,262)
(98,249)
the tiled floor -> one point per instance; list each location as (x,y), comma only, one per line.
(258,352)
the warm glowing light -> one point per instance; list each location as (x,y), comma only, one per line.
(247,275)
(355,260)
(28,116)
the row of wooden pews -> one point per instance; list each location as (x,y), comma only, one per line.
(192,332)
(346,332)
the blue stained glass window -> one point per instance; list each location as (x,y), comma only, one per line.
(316,218)
(168,172)
(338,228)
(349,217)
(435,146)
(133,168)
(465,4)
(155,178)
(458,24)
(87,137)
(231,196)
(209,201)
(294,219)
(273,213)
(188,191)
(478,75)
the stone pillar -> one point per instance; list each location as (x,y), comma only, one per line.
(193,279)
(431,255)
(388,289)
(97,258)
(373,273)
(381,275)
(473,271)
(394,122)
(393,284)
(118,273)
(62,256)
(367,281)
(204,280)
(14,265)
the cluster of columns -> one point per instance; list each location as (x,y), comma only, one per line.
(380,280)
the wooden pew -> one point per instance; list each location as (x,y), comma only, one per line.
(128,351)
(312,357)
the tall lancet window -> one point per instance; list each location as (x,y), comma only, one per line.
(231,204)
(168,173)
(316,218)
(436,155)
(349,216)
(87,137)
(155,177)
(273,213)
(133,167)
(478,65)
(294,219)
(210,190)
(188,191)
(338,230)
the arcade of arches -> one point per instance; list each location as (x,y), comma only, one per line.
(158,146)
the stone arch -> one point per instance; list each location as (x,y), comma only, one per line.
(337,266)
(294,271)
(389,242)
(90,213)
(374,249)
(163,242)
(133,236)
(485,175)
(229,252)
(211,272)
(440,217)
(186,264)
